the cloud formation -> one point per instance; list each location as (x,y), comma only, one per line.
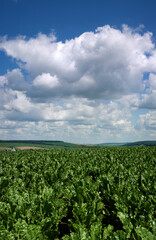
(89,84)
(106,63)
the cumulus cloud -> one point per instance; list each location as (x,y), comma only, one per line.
(46,81)
(106,63)
(87,86)
(148,99)
(6,96)
(3,81)
(81,118)
(14,79)
(19,103)
(152,81)
(147,123)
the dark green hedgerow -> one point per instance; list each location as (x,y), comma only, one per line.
(92,194)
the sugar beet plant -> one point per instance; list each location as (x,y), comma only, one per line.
(89,194)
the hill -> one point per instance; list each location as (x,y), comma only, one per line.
(129,144)
(140,143)
(111,144)
(40,144)
(27,144)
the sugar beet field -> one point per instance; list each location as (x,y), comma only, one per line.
(78,194)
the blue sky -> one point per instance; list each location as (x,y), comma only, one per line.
(71,18)
(78,71)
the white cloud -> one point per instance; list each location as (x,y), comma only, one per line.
(85,88)
(152,81)
(14,79)
(19,103)
(79,117)
(6,96)
(45,80)
(106,63)
(3,81)
(148,99)
(147,124)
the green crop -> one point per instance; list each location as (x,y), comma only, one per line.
(81,194)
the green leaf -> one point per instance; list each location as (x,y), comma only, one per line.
(107,231)
(127,225)
(96,231)
(144,233)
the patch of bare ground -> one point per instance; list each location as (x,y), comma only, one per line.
(28,148)
(4,148)
(81,144)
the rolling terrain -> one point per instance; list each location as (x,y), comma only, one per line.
(42,144)
(39,144)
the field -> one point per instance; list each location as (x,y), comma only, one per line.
(40,144)
(78,194)
(29,144)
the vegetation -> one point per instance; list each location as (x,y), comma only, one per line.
(64,145)
(131,144)
(78,194)
(40,143)
(141,143)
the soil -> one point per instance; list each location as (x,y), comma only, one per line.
(27,148)
(4,148)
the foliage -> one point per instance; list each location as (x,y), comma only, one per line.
(42,144)
(75,194)
(141,143)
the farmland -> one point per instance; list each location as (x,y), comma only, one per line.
(40,144)
(78,194)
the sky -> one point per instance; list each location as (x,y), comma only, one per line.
(78,71)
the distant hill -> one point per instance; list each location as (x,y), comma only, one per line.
(66,145)
(40,143)
(111,144)
(141,143)
(130,144)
